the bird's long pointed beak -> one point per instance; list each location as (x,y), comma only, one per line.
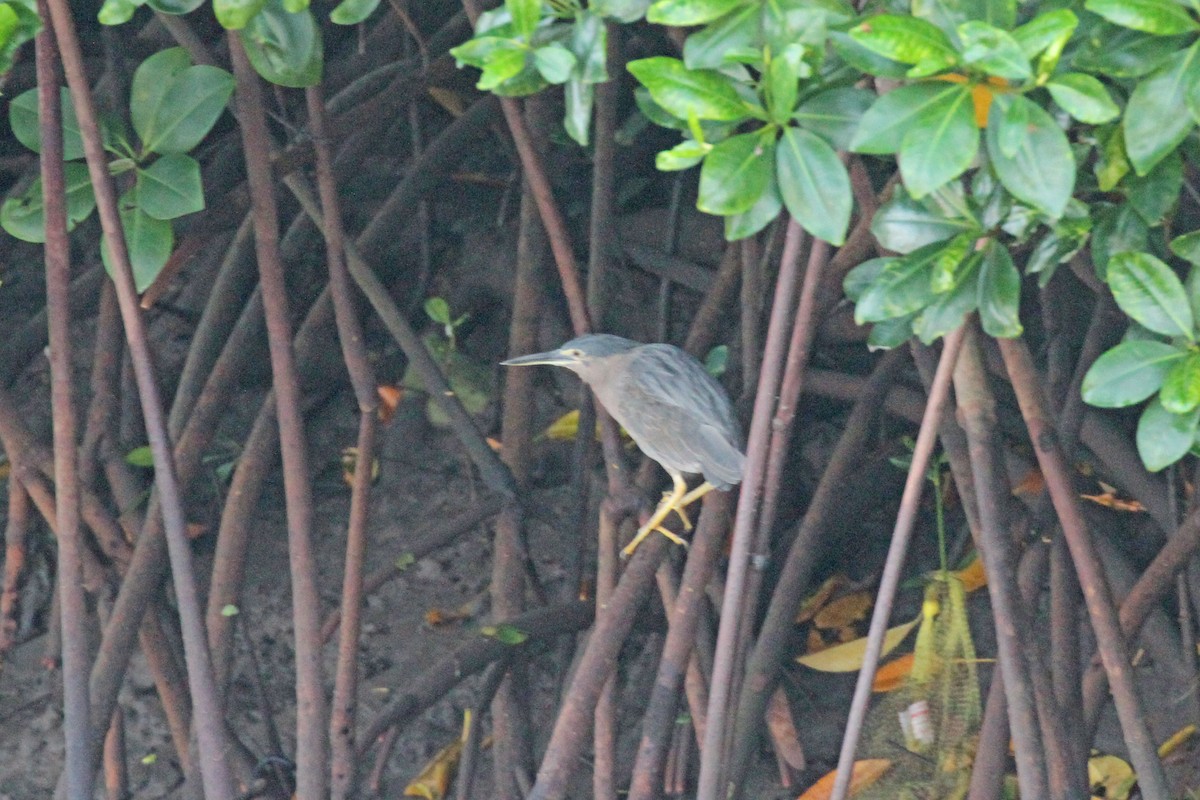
(554,358)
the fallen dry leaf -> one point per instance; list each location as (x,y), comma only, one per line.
(434,781)
(390,396)
(817,600)
(890,676)
(845,611)
(863,774)
(1111,777)
(1176,740)
(848,657)
(972,575)
(784,736)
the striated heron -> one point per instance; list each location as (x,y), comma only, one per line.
(672,408)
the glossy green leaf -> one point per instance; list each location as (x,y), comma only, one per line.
(684,155)
(1112,164)
(760,215)
(783,84)
(24,119)
(505,634)
(114,12)
(735,174)
(861,58)
(1045,30)
(1180,392)
(175,7)
(170,187)
(140,457)
(788,22)
(555,62)
(1153,123)
(735,36)
(689,12)
(589,43)
(1187,247)
(814,184)
(578,95)
(948,310)
(884,125)
(909,40)
(682,92)
(24,216)
(901,288)
(1129,373)
(999,293)
(1162,437)
(352,12)
(862,277)
(889,333)
(940,144)
(1083,97)
(1159,17)
(1150,293)
(236,14)
(173,105)
(1154,194)
(620,10)
(285,48)
(949,268)
(903,224)
(1117,229)
(994,51)
(149,241)
(1118,52)
(525,16)
(1041,171)
(835,114)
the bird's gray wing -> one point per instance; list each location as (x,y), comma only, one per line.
(680,416)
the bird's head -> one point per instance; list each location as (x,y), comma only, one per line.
(584,355)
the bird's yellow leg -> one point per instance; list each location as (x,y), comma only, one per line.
(669,503)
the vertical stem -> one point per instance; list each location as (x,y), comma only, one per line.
(210,732)
(1097,595)
(66,483)
(311,717)
(889,582)
(712,759)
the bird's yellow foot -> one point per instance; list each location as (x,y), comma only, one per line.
(683,517)
(645,531)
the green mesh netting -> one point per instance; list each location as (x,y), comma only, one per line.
(932,747)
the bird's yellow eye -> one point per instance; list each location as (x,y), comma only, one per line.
(573,353)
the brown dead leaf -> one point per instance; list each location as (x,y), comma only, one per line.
(972,575)
(1108,498)
(434,781)
(817,600)
(195,530)
(863,774)
(784,736)
(816,642)
(844,612)
(890,676)
(1031,484)
(390,396)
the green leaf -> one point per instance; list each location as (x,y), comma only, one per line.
(814,184)
(1117,229)
(1162,437)
(114,12)
(1187,247)
(352,12)
(684,155)
(578,114)
(803,22)
(149,241)
(1154,194)
(861,58)
(889,333)
(505,633)
(1159,17)
(901,288)
(734,36)
(170,187)
(994,51)
(589,43)
(24,216)
(904,225)
(999,293)
(940,144)
(554,62)
(1151,294)
(835,114)
(140,457)
(438,310)
(175,7)
(885,123)
(1111,162)
(525,16)
(862,277)
(783,84)
(236,14)
(25,122)
(735,174)
(947,311)
(1045,30)
(284,47)
(1123,53)
(682,92)
(174,105)
(1153,123)
(760,215)
(504,63)
(1181,388)
(620,10)
(909,40)
(689,12)
(949,268)
(717,360)
(1129,373)
(1083,97)
(1042,170)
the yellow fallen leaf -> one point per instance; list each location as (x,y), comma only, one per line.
(844,611)
(863,774)
(972,575)
(891,675)
(817,600)
(434,780)
(564,428)
(848,657)
(1111,777)
(1178,738)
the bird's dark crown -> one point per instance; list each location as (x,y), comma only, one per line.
(599,345)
